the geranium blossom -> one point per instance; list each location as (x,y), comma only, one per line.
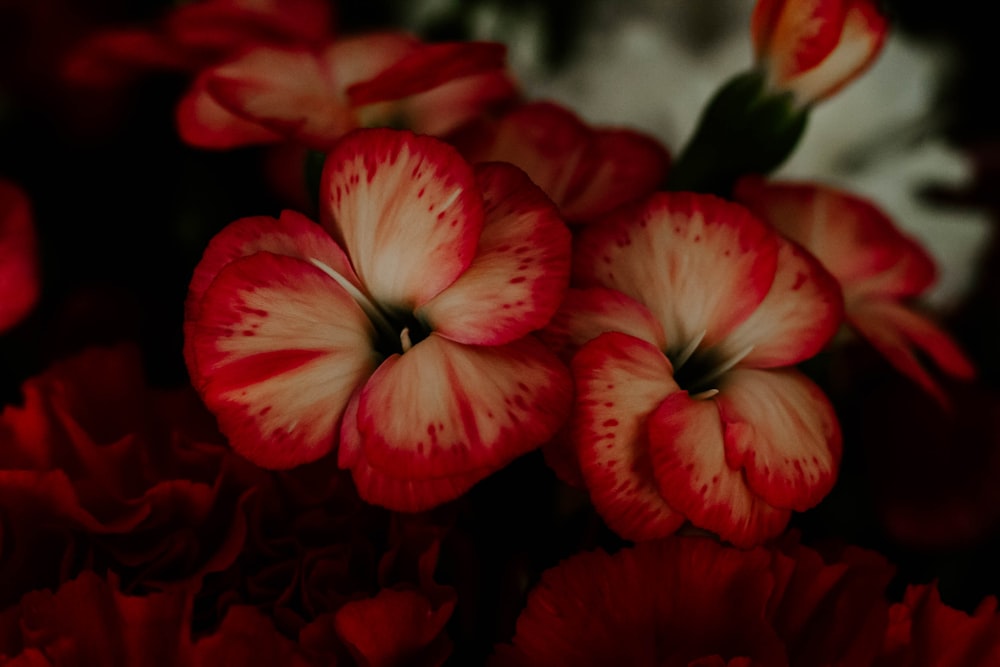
(686,407)
(196,35)
(314,95)
(878,267)
(812,48)
(399,329)
(586,171)
(18,256)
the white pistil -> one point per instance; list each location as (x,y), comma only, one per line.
(702,395)
(726,365)
(371,310)
(404,339)
(688,350)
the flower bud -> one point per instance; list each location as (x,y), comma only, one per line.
(812,48)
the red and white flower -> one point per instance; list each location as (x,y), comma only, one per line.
(399,329)
(313,95)
(586,171)
(812,48)
(878,268)
(19,285)
(196,35)
(690,312)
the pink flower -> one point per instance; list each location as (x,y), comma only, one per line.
(398,331)
(690,312)
(586,171)
(878,268)
(812,48)
(314,95)
(18,256)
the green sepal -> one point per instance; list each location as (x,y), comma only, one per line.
(745,129)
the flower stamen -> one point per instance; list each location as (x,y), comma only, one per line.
(688,350)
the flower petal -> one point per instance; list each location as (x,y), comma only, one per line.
(897,332)
(19,282)
(689,463)
(427,67)
(585,172)
(587,313)
(620,381)
(623,165)
(395,627)
(408,210)
(849,235)
(204,123)
(288,91)
(520,271)
(801,312)
(399,494)
(280,347)
(781,429)
(228,26)
(292,234)
(700,264)
(444,409)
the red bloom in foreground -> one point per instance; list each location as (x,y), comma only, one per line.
(403,326)
(314,95)
(685,405)
(877,266)
(812,48)
(18,259)
(682,602)
(586,171)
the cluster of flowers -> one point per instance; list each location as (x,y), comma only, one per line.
(498,278)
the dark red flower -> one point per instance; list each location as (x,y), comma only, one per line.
(690,601)
(88,621)
(95,467)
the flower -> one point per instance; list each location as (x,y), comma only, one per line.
(18,256)
(924,632)
(88,621)
(689,312)
(194,36)
(691,601)
(313,95)
(399,331)
(97,468)
(586,171)
(812,48)
(877,266)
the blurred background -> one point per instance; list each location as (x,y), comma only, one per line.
(124,211)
